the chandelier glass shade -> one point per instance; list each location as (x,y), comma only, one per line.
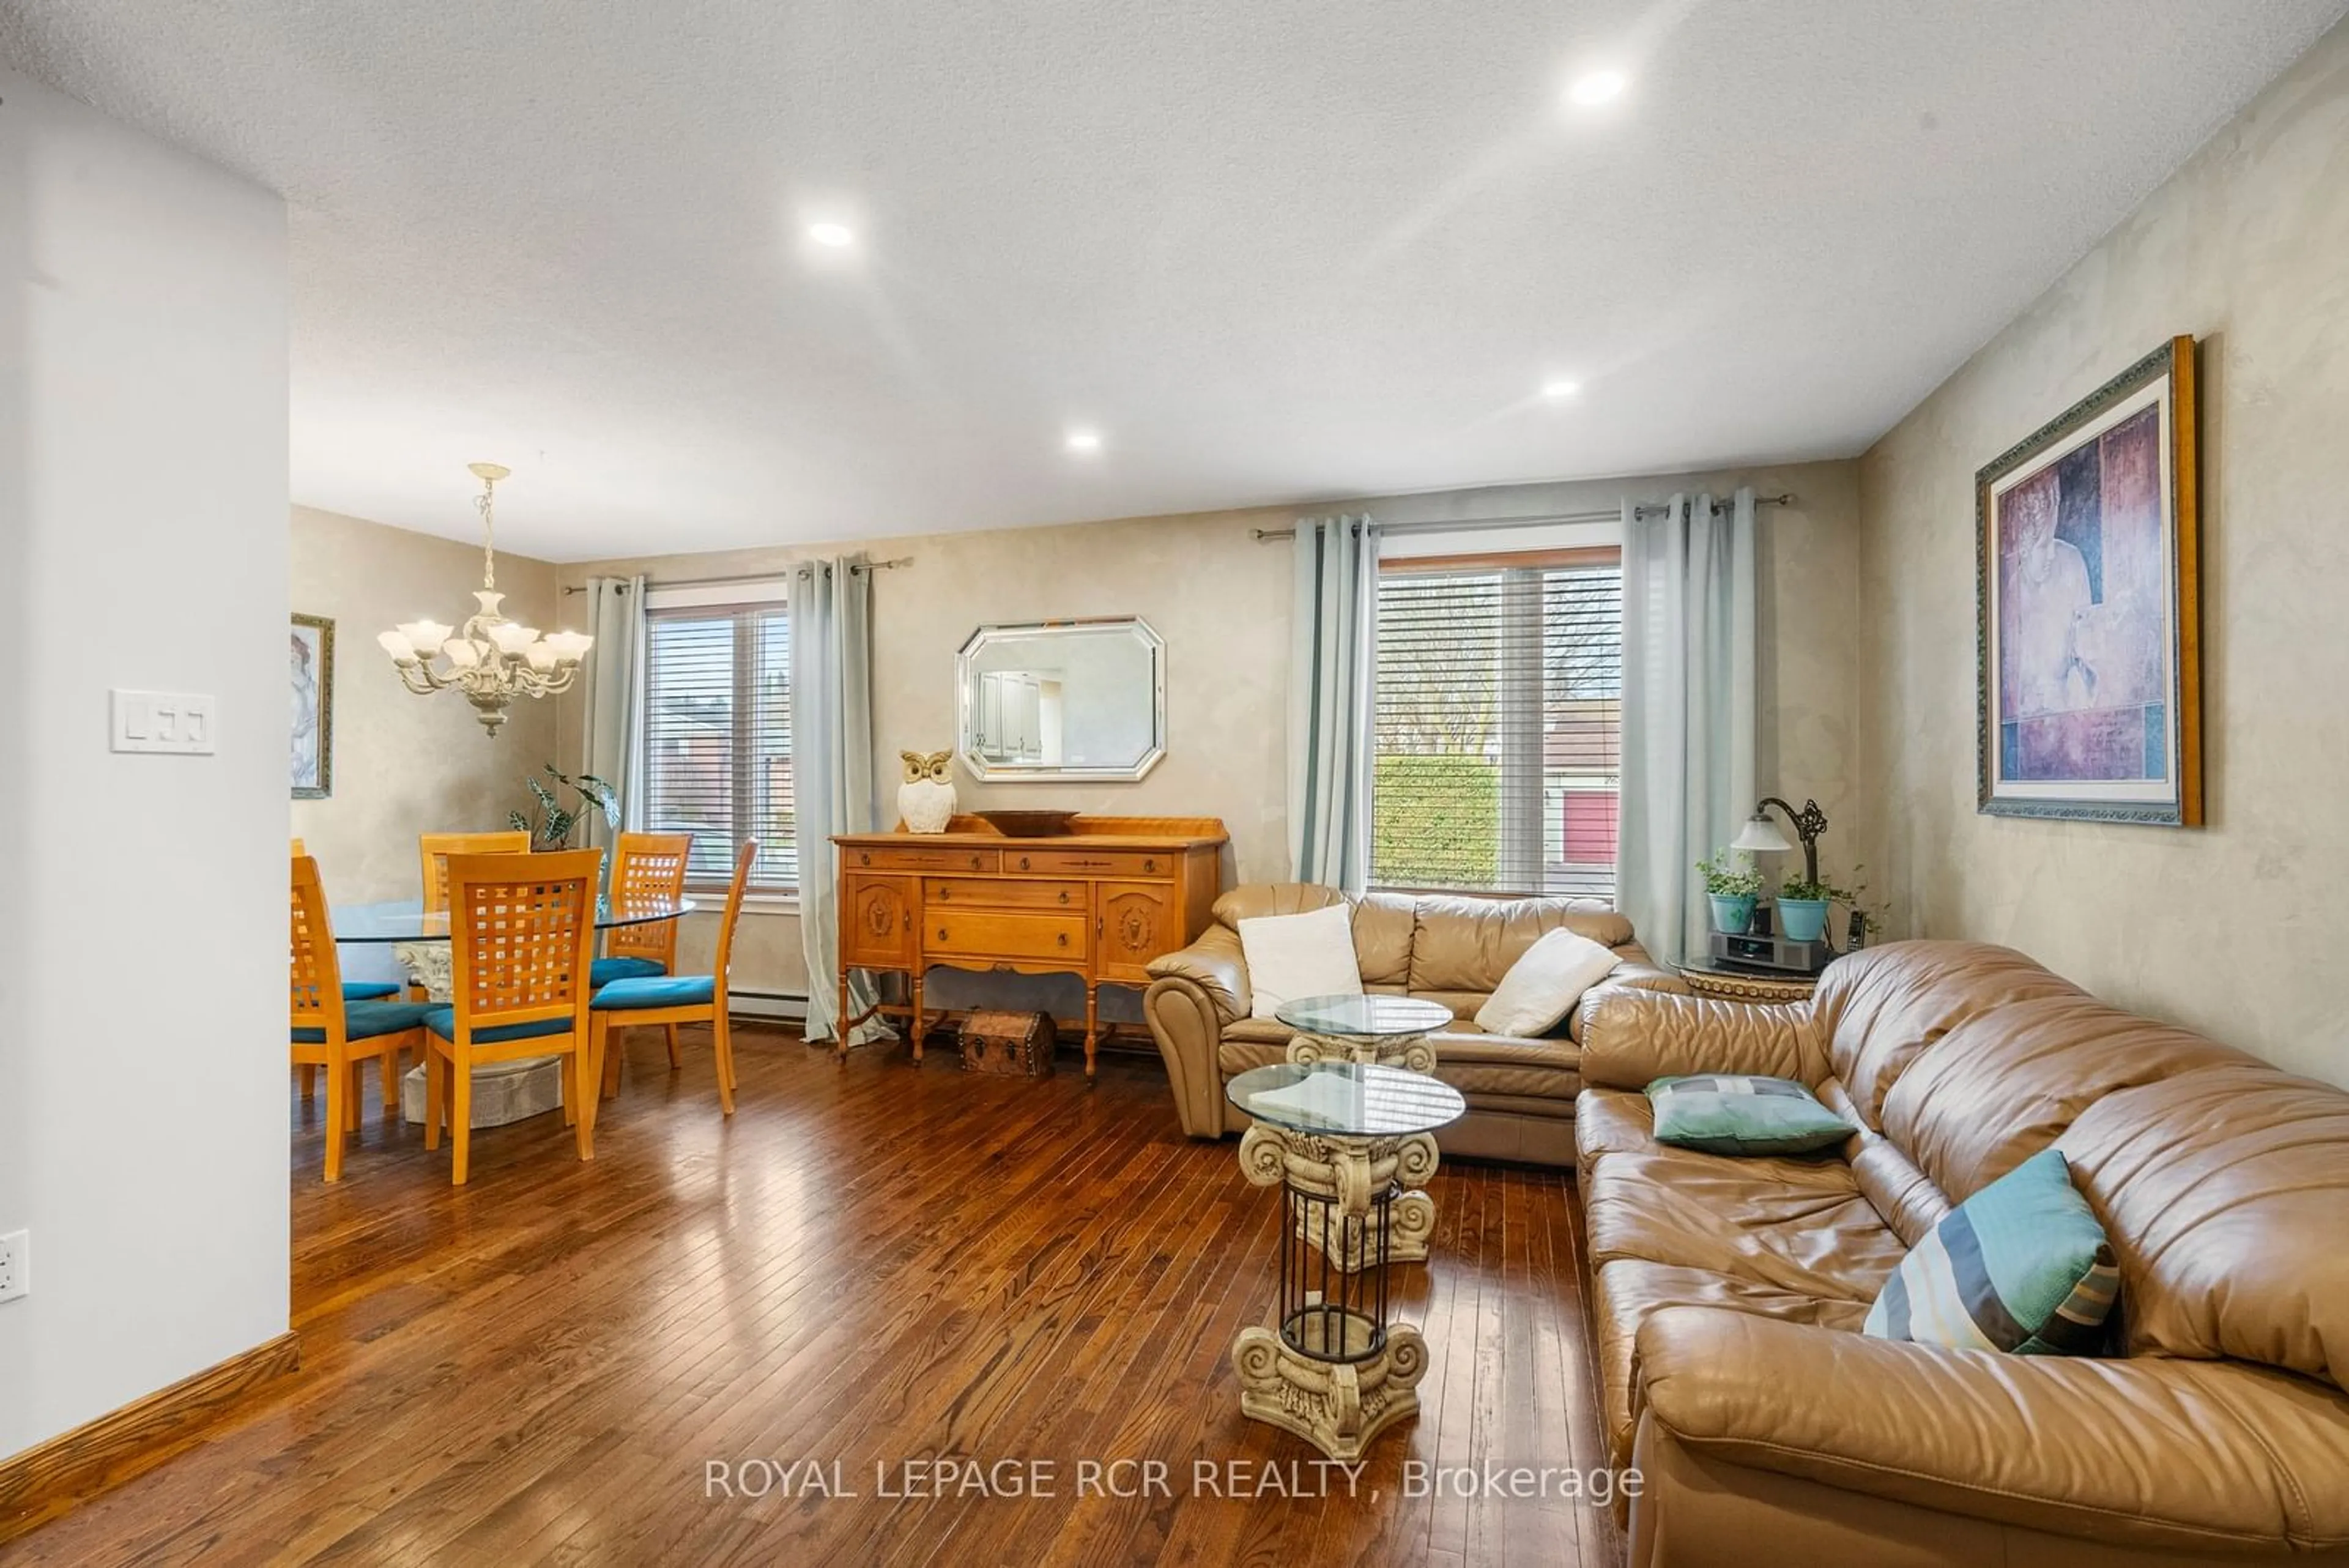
(492,660)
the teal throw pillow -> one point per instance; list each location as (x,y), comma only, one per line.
(1742,1113)
(2021,1266)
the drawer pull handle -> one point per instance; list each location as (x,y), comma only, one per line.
(1023,863)
(942,933)
(974,862)
(1150,866)
(945,893)
(1064,939)
(1064,894)
(866,858)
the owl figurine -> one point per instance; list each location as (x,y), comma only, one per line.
(927,799)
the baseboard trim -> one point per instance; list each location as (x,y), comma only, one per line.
(73,1467)
(781,1004)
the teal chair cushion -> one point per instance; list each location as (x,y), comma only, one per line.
(366,1019)
(664,991)
(442,1020)
(604,971)
(372,990)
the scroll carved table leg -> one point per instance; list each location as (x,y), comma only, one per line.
(1411,1217)
(1347,1172)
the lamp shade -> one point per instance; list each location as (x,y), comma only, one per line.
(1761,837)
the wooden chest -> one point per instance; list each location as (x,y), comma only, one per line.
(1018,1044)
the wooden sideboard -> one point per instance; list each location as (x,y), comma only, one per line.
(1098,902)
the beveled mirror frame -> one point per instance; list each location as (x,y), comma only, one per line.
(988,771)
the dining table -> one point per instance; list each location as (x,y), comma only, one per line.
(503,1092)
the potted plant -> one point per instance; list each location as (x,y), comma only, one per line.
(1732,881)
(551,827)
(1803,906)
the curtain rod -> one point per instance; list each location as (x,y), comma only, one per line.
(1401,529)
(745,578)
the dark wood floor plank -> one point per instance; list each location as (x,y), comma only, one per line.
(868,1264)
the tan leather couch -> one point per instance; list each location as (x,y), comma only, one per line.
(1728,1295)
(1451,950)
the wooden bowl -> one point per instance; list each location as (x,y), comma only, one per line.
(1028,823)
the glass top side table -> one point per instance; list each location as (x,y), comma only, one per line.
(1343,1141)
(1390,1029)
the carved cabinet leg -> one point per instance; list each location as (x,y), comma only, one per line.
(1092,1027)
(919,1028)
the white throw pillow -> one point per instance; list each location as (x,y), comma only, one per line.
(1543,986)
(1293,956)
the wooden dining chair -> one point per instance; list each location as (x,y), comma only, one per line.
(436,848)
(330,1032)
(522,932)
(646,868)
(672,1000)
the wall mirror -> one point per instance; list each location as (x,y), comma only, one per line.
(1070,700)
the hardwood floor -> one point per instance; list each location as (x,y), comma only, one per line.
(869,1265)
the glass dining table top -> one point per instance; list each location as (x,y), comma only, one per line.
(1348,1099)
(409,923)
(1373,1015)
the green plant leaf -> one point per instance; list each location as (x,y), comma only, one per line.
(518,822)
(557,830)
(545,796)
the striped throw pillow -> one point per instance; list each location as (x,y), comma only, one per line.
(2021,1266)
(1743,1114)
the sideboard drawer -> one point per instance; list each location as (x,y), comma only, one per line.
(1005,893)
(943,858)
(1120,863)
(985,933)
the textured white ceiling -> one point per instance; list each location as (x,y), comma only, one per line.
(1275,252)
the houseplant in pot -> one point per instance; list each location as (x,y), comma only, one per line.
(1732,882)
(1802,904)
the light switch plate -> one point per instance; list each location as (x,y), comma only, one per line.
(174,722)
(16,1265)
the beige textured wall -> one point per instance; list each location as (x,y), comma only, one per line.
(1221,599)
(2234,929)
(406,764)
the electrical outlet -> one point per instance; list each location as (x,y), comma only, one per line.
(16,1264)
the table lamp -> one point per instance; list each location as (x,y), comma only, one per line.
(1761,835)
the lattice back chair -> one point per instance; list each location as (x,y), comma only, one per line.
(435,847)
(646,868)
(327,1030)
(522,935)
(672,1000)
(353,990)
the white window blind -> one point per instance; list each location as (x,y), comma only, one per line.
(718,737)
(1498,717)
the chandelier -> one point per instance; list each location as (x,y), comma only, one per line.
(493,660)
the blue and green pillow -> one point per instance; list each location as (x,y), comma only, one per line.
(1743,1114)
(2021,1266)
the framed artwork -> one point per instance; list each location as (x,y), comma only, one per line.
(314,707)
(2089,696)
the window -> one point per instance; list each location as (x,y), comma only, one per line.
(1498,719)
(717,742)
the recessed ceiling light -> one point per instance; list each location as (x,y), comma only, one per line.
(1593,88)
(839,236)
(1084,441)
(1557,389)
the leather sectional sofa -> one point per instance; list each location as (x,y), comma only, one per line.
(1452,949)
(1728,1295)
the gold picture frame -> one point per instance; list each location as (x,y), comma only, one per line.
(2087,593)
(313,756)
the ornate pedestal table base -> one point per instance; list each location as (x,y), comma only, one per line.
(1333,1370)
(503,1092)
(1387,1032)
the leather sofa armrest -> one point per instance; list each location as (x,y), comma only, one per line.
(1637,971)
(2206,1456)
(1214,964)
(1192,994)
(1632,1036)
